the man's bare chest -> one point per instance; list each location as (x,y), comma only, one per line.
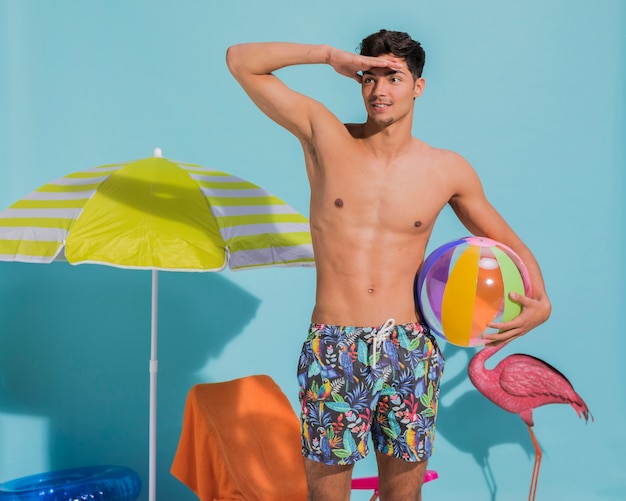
(360,195)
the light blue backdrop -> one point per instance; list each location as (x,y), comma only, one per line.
(532,93)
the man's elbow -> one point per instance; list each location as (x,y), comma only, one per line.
(232,57)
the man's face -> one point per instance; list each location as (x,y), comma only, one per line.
(388,94)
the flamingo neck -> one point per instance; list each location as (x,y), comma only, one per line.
(476,369)
(488,350)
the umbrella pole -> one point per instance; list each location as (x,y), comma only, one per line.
(154,367)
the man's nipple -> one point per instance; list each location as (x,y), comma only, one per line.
(339,203)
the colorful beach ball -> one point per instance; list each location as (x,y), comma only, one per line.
(465,284)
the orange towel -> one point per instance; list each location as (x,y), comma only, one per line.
(240,441)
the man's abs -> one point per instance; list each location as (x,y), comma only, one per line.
(355,294)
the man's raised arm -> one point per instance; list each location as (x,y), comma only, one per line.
(253,64)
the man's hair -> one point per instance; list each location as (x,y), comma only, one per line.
(399,44)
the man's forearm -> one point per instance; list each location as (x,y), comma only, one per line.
(265,57)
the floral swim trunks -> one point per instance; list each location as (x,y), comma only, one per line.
(357,380)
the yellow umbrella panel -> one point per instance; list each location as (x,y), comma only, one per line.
(157,214)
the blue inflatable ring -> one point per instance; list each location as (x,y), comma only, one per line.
(101,483)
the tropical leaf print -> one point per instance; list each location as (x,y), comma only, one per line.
(348,390)
(363,352)
(314,369)
(341,407)
(427,401)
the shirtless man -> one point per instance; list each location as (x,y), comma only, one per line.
(368,364)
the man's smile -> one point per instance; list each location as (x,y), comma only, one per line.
(381,106)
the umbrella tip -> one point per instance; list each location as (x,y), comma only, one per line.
(158,153)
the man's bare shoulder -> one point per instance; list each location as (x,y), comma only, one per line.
(443,156)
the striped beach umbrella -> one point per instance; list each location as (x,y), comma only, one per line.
(155,214)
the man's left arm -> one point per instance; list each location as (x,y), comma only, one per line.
(482,219)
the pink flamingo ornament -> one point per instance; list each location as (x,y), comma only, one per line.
(520,383)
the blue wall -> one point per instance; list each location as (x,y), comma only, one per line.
(532,93)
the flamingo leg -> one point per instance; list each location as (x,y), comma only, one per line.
(375,496)
(536,466)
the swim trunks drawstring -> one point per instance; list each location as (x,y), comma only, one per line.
(380,336)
